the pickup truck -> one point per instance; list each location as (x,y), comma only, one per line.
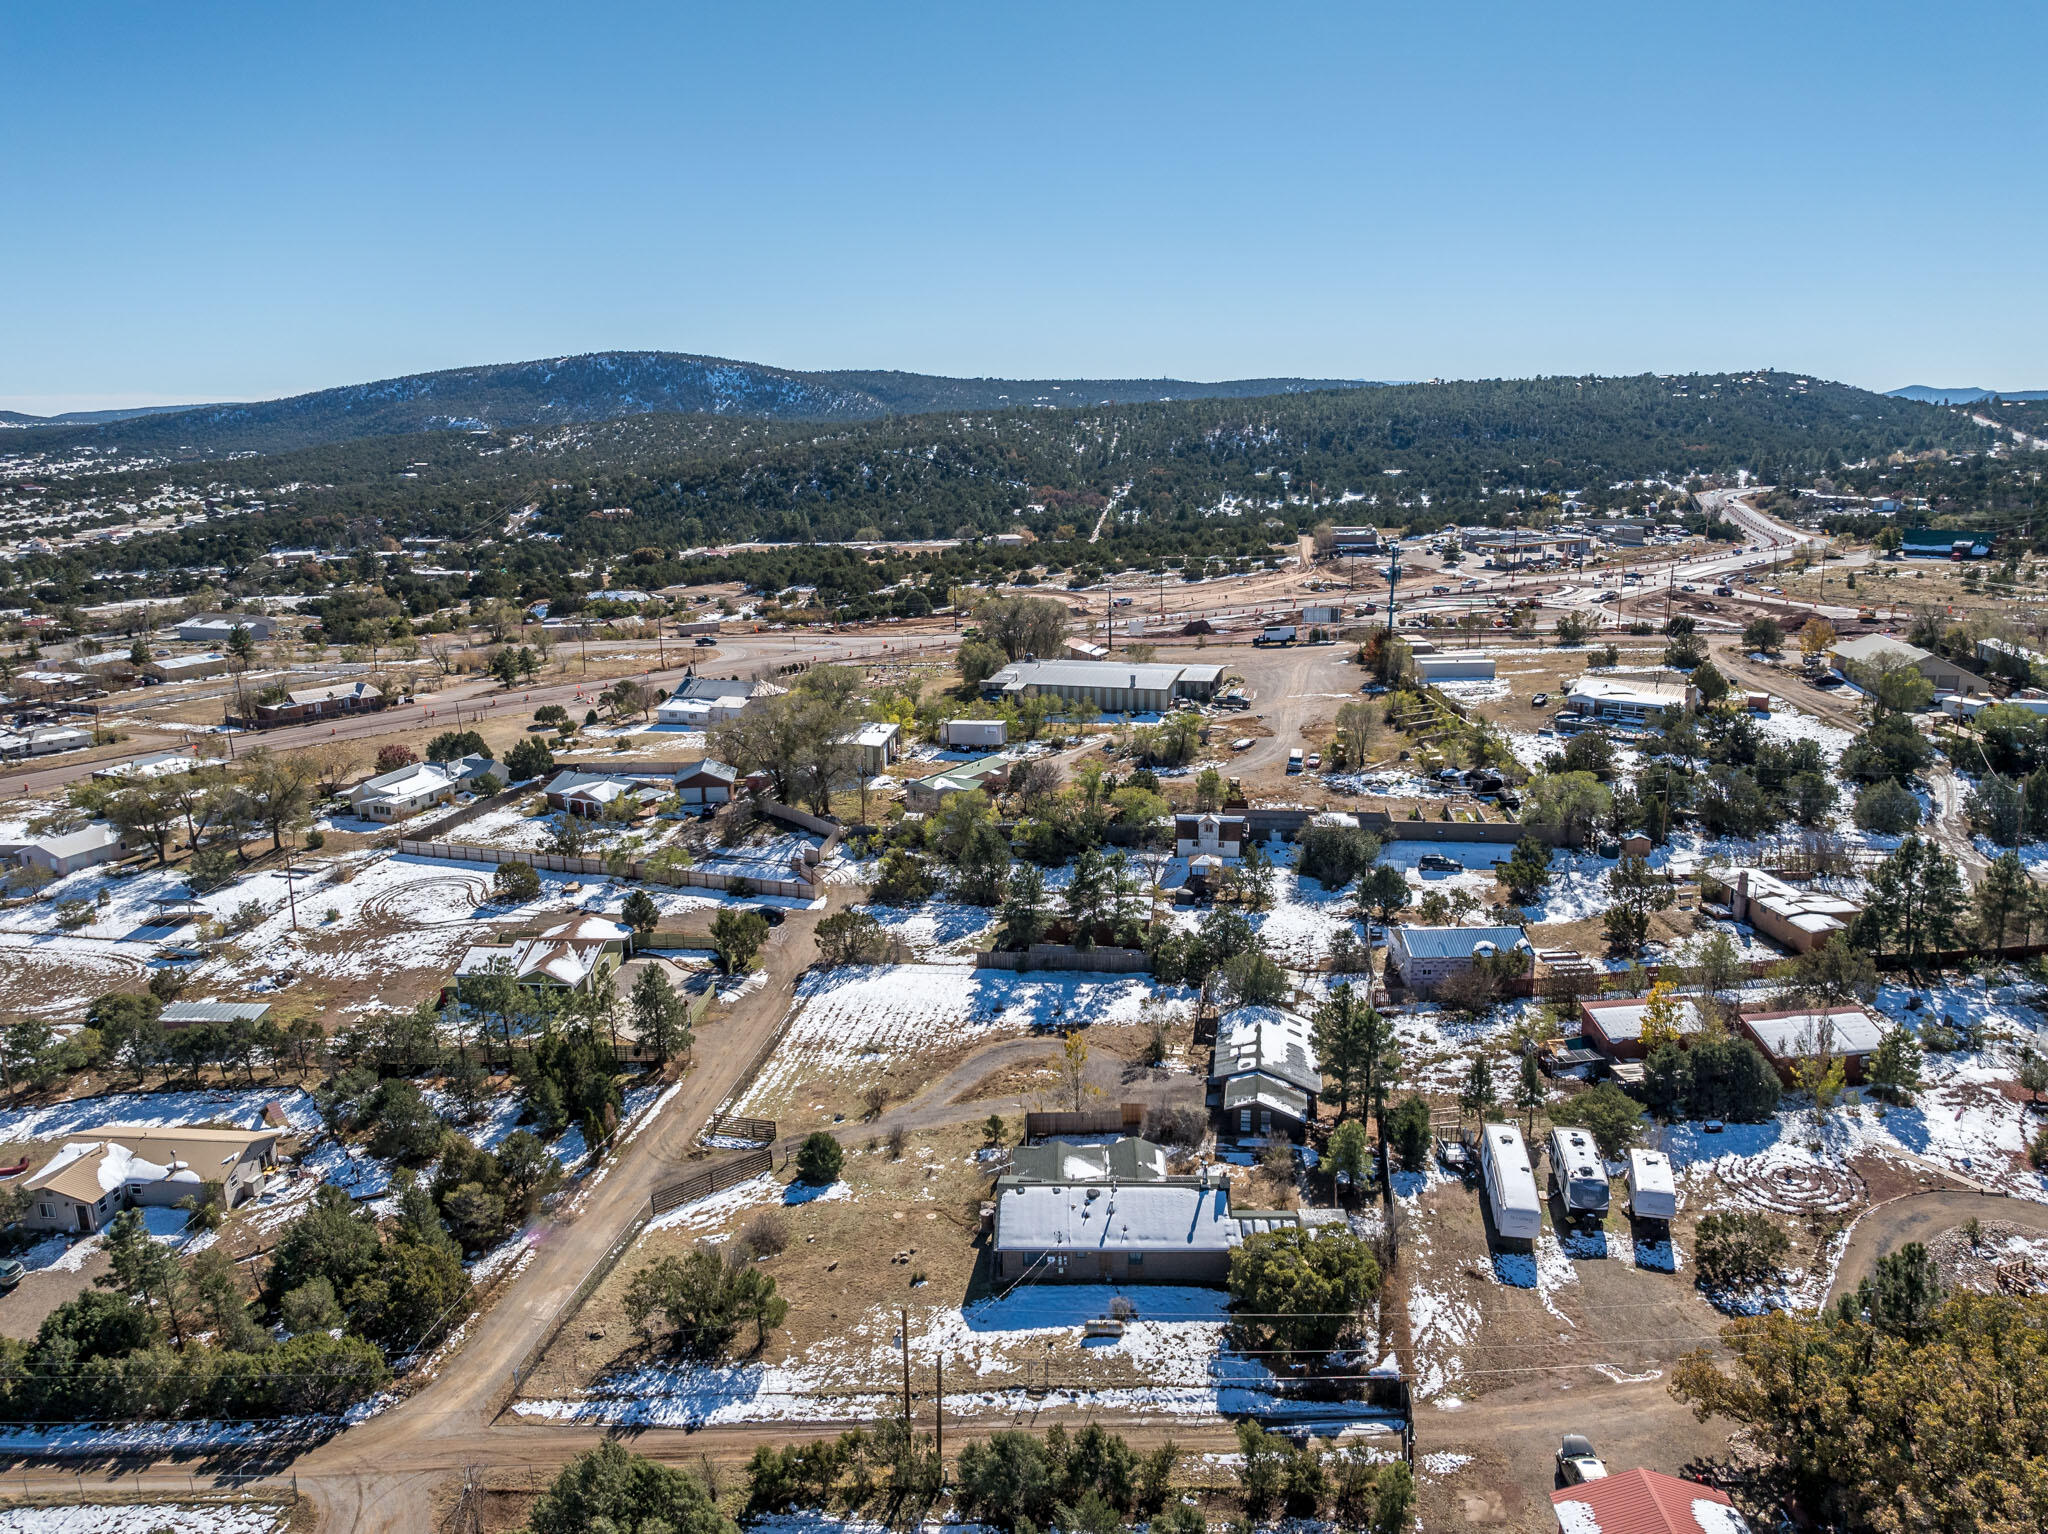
(1294,760)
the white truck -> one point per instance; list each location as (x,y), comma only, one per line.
(1652,1191)
(1511,1194)
(1279,633)
(1576,1173)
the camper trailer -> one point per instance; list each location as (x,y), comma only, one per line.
(1510,1184)
(1652,1194)
(1576,1175)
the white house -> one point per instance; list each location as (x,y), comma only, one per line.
(1210,834)
(88,1182)
(1628,700)
(570,956)
(66,854)
(408,790)
(219,628)
(1458,666)
(705,700)
(879,743)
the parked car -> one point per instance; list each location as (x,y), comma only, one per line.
(774,915)
(1243,743)
(1315,760)
(1540,700)
(11,1272)
(1577,1463)
(1439,863)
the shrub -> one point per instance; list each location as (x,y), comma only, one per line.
(1887,808)
(819,1159)
(1737,1249)
(315,840)
(1408,1131)
(394,756)
(765,1235)
(515,883)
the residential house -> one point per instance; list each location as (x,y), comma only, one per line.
(44,740)
(1944,543)
(1422,958)
(1847,1033)
(2014,662)
(408,790)
(1645,1502)
(66,853)
(180,1015)
(88,1182)
(987,773)
(592,795)
(572,956)
(219,628)
(974,734)
(1116,1219)
(879,743)
(1210,835)
(1797,919)
(140,769)
(1857,658)
(1628,700)
(1264,1077)
(185,668)
(701,701)
(1615,1026)
(330,702)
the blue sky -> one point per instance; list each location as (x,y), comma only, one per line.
(219,202)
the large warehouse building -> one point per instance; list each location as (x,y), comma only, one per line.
(1114,686)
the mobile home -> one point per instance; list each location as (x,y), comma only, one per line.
(1511,1193)
(1576,1173)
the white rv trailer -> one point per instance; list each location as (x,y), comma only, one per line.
(1576,1172)
(1510,1184)
(1652,1194)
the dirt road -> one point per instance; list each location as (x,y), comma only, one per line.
(1921,1217)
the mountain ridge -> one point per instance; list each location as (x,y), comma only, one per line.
(600,386)
(1928,394)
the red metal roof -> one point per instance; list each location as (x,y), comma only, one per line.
(1644,1502)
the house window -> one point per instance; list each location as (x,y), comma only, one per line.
(1244,1121)
(1137,1259)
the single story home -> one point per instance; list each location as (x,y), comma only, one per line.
(987,773)
(1457,666)
(591,795)
(1847,1033)
(158,764)
(329,702)
(1422,958)
(974,734)
(408,790)
(1794,918)
(1615,1026)
(573,956)
(879,743)
(700,701)
(1854,656)
(219,628)
(1210,834)
(185,668)
(706,782)
(2010,660)
(1645,1502)
(44,740)
(1628,700)
(1263,1073)
(1099,1228)
(88,1182)
(66,853)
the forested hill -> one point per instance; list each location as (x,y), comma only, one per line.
(601,387)
(1182,476)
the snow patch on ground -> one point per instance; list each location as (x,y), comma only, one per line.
(133,1517)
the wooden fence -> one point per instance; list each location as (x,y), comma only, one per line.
(713,1179)
(738,1127)
(1116,961)
(1123,1119)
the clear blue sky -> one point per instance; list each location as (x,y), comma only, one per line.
(221,202)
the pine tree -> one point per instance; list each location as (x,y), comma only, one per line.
(1529,1090)
(1478,1094)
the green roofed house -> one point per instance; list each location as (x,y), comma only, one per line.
(988,773)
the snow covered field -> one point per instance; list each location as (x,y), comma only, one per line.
(1171,1359)
(852,1023)
(136,1517)
(162,1110)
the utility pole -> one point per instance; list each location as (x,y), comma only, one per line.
(939,1413)
(904,1316)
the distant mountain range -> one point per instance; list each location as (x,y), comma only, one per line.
(599,387)
(1929,395)
(89,417)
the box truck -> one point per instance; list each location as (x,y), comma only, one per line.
(1652,1191)
(1576,1174)
(1511,1195)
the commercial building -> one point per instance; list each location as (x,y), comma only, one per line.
(1857,658)
(1615,1026)
(219,628)
(1522,546)
(406,791)
(1357,541)
(1846,1033)
(1264,1077)
(88,1182)
(1113,686)
(1628,700)
(1077,1217)
(1457,666)
(329,702)
(1792,917)
(185,668)
(1422,958)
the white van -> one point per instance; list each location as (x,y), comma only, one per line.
(1510,1184)
(1577,1176)
(1652,1190)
